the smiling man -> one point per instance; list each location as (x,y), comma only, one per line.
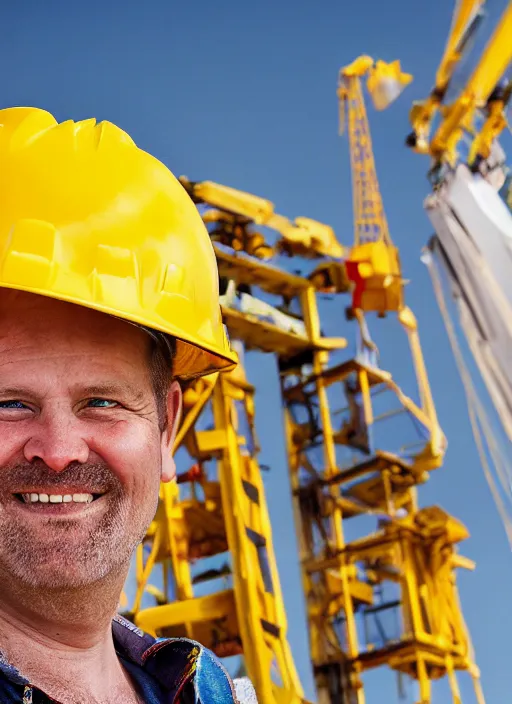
(108,297)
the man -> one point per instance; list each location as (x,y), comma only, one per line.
(108,291)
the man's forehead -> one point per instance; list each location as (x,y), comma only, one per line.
(25,315)
(30,303)
(36,331)
(15,299)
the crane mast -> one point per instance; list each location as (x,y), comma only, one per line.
(370,224)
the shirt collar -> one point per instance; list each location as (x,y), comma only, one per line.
(175,663)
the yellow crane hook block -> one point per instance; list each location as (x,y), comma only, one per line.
(386,82)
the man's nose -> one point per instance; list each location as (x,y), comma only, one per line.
(57,439)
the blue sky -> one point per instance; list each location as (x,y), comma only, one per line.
(244,94)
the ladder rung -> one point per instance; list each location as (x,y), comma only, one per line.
(259,540)
(337,374)
(252,491)
(270,628)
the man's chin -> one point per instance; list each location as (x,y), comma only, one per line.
(61,575)
(65,564)
(69,556)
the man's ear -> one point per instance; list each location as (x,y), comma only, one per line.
(174,405)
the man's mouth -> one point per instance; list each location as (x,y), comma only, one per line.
(44,498)
(71,502)
(46,503)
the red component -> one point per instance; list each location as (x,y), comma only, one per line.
(358,281)
(194,474)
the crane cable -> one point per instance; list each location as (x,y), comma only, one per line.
(477,415)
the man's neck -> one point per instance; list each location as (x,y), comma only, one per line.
(59,639)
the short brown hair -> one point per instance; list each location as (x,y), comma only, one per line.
(161,355)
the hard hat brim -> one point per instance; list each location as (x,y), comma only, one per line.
(190,361)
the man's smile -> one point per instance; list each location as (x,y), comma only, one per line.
(57,504)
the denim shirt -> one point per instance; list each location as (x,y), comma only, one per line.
(165,670)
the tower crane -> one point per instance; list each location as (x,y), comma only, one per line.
(350,584)
(373,264)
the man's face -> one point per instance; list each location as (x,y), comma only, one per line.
(81,453)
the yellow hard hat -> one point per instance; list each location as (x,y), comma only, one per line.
(88,217)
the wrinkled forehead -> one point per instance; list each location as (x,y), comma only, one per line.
(27,319)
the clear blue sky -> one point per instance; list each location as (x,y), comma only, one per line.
(244,94)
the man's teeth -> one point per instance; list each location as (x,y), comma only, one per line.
(58,498)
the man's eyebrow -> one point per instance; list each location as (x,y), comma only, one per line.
(124,390)
(113,389)
(14,391)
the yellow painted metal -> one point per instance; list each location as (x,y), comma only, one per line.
(303,236)
(464,21)
(433,453)
(370,224)
(482,92)
(413,549)
(465,15)
(410,550)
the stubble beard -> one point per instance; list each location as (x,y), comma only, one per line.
(72,554)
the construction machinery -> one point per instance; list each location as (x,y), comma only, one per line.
(369,551)
(206,569)
(470,256)
(486,94)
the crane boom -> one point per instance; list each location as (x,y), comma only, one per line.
(304,236)
(467,16)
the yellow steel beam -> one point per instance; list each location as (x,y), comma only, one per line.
(479,93)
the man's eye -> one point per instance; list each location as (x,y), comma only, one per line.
(102,403)
(12,404)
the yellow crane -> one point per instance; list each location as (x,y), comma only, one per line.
(373,262)
(484,93)
(351,584)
